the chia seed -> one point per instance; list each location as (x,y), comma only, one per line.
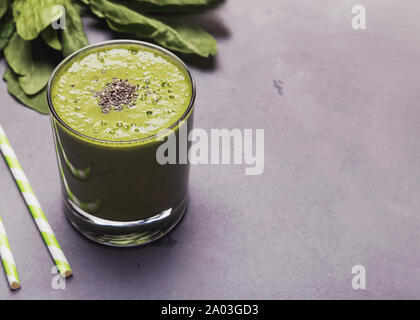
(117,95)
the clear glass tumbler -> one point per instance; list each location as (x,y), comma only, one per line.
(116,193)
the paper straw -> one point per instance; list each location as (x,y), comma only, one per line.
(34,207)
(7,259)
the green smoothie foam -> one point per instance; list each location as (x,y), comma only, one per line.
(163,93)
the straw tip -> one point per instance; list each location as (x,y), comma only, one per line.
(67,273)
(14,285)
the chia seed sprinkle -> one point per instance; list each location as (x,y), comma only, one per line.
(117,95)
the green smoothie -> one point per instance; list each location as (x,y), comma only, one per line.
(163,93)
(112,105)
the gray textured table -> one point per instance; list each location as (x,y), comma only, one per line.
(342,167)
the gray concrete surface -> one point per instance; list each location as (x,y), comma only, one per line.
(342,167)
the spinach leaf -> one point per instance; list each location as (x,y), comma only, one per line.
(7,26)
(44,60)
(171,5)
(4,4)
(73,36)
(50,37)
(179,37)
(82,7)
(18,55)
(198,39)
(177,2)
(37,102)
(33,16)
(37,79)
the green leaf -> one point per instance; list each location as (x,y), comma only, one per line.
(44,62)
(82,7)
(37,79)
(33,16)
(177,2)
(73,36)
(37,102)
(7,26)
(177,37)
(4,4)
(18,55)
(50,37)
(95,7)
(198,39)
(171,5)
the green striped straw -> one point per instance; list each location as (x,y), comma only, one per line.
(34,207)
(7,259)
